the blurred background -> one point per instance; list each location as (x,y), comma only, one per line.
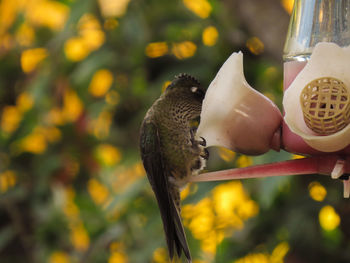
(76,78)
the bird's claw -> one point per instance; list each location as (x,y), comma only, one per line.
(203,142)
(205,154)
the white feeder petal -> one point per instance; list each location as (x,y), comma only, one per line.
(327,60)
(236,116)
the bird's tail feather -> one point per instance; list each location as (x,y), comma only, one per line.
(181,241)
(173,227)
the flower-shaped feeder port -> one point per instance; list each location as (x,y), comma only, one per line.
(316,104)
(317,108)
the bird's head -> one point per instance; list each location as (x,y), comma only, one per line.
(186,91)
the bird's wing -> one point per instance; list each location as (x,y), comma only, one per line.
(158,174)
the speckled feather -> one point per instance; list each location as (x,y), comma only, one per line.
(170,153)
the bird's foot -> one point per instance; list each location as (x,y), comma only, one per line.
(203,142)
(205,154)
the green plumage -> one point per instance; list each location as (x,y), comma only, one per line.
(170,152)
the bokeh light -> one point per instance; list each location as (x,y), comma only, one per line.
(31,58)
(255,45)
(184,49)
(8,180)
(156,49)
(288,5)
(59,257)
(329,218)
(100,83)
(201,8)
(317,191)
(210,36)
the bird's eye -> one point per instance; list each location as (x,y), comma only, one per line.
(198,93)
(194,89)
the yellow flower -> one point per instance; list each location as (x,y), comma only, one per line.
(8,179)
(231,205)
(93,38)
(31,58)
(317,191)
(59,257)
(76,49)
(10,119)
(111,8)
(25,35)
(79,237)
(55,116)
(184,49)
(201,217)
(70,209)
(108,154)
(210,36)
(118,257)
(90,38)
(277,255)
(160,255)
(244,161)
(185,192)
(100,127)
(6,42)
(88,22)
(226,154)
(69,193)
(34,143)
(156,49)
(8,12)
(201,8)
(328,217)
(51,134)
(227,196)
(51,14)
(210,219)
(254,258)
(248,209)
(279,252)
(98,191)
(12,115)
(210,242)
(72,106)
(100,83)
(90,30)
(24,102)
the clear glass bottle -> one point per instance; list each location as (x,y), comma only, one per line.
(311,22)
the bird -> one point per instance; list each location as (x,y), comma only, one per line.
(171,153)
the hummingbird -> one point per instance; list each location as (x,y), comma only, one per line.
(171,152)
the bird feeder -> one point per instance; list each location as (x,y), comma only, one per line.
(316,101)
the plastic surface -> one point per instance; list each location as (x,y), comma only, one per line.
(312,22)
